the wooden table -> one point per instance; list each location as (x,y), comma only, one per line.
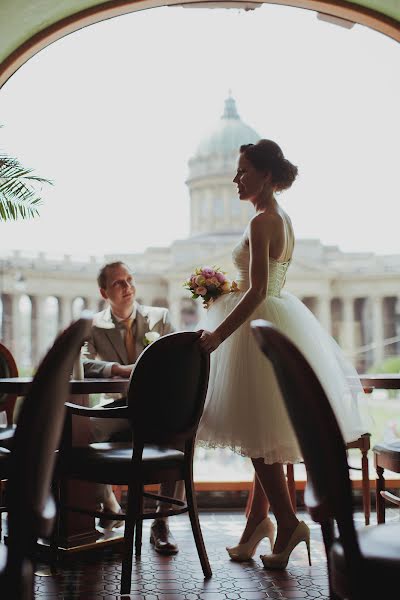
(386,381)
(114,385)
(382,459)
(78,530)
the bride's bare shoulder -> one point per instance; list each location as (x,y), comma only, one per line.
(265,220)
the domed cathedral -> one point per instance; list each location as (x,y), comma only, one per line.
(333,284)
(354,295)
(214,203)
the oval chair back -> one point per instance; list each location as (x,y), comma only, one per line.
(168,388)
(38,433)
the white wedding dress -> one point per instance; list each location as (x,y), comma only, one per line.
(244,409)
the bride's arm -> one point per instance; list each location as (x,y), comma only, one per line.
(260,234)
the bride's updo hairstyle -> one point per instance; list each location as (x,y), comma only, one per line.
(266,155)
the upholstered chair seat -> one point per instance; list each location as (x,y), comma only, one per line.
(111,462)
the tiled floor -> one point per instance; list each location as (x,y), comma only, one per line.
(180,577)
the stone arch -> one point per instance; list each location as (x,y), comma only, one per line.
(39,36)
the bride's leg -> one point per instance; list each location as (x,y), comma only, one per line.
(256,511)
(271,478)
(250,497)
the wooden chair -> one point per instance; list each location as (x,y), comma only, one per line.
(28,466)
(386,456)
(165,401)
(364,445)
(362,564)
(8,368)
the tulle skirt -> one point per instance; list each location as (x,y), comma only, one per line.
(244,409)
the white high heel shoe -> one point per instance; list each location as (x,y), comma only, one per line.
(246,551)
(280,560)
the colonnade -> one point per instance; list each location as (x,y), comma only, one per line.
(365,327)
(29,323)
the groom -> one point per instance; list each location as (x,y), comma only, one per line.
(117,339)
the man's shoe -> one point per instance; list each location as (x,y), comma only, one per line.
(161,538)
(110,524)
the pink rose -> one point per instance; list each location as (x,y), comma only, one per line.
(221,277)
(201,290)
(214,281)
(208,272)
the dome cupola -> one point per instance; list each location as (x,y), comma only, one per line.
(215,206)
(225,139)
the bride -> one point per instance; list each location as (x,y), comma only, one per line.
(244,409)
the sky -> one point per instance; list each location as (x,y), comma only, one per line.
(112,113)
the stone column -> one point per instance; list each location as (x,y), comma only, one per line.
(64,312)
(15,328)
(323,312)
(6,325)
(377,328)
(348,331)
(174,302)
(38,329)
(93,305)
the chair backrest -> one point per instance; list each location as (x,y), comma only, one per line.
(8,368)
(167,389)
(39,429)
(317,431)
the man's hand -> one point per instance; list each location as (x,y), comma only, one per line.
(118,370)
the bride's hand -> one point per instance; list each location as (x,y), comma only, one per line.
(209,341)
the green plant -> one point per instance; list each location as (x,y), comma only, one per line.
(19,190)
(389,365)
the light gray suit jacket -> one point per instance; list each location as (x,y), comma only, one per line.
(106,343)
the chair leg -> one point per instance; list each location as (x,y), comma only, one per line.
(327,536)
(291,485)
(366,489)
(195,523)
(55,534)
(2,505)
(132,513)
(1,512)
(380,502)
(139,528)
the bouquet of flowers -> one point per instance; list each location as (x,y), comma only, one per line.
(208,283)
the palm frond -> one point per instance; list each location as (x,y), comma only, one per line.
(19,190)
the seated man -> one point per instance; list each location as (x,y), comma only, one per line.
(117,339)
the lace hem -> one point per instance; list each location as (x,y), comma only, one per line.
(269,457)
